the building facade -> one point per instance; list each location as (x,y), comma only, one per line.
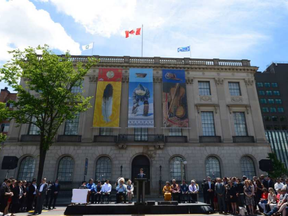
(223,134)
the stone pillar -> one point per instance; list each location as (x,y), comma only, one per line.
(158,115)
(124,104)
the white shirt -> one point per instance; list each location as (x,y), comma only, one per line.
(106,188)
(278,186)
(193,188)
(35,189)
(209,183)
(41,187)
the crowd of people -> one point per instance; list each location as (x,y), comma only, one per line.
(22,196)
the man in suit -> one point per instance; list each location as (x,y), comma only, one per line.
(41,192)
(268,182)
(31,193)
(208,188)
(220,192)
(55,188)
(141,174)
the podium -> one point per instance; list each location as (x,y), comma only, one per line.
(140,182)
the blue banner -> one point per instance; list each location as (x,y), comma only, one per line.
(183,49)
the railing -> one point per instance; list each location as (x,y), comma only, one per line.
(30,138)
(140,138)
(69,138)
(164,61)
(106,138)
(210,139)
(243,139)
(175,139)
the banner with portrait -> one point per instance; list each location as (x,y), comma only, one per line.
(108,97)
(174,98)
(140,110)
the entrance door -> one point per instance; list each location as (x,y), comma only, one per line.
(139,162)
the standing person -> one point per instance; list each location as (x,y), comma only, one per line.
(55,188)
(167,191)
(209,190)
(41,193)
(141,174)
(175,189)
(31,194)
(231,192)
(220,192)
(204,191)
(17,196)
(268,182)
(48,194)
(98,192)
(106,190)
(259,191)
(278,185)
(240,192)
(184,191)
(23,201)
(249,196)
(130,189)
(91,185)
(193,190)
(6,194)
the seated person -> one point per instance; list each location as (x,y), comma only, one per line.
(282,202)
(91,185)
(272,198)
(264,200)
(130,189)
(193,191)
(175,189)
(106,190)
(184,191)
(121,191)
(98,188)
(83,185)
(167,191)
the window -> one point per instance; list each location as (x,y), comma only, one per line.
(247,167)
(281,109)
(263,101)
(204,88)
(77,88)
(274,118)
(267,85)
(276,93)
(261,92)
(177,168)
(271,101)
(240,124)
(213,167)
(65,169)
(208,127)
(141,134)
(265,109)
(103,169)
(272,109)
(278,101)
(268,92)
(26,169)
(106,131)
(282,118)
(5,127)
(71,126)
(33,129)
(234,88)
(274,85)
(259,84)
(276,127)
(175,132)
(267,118)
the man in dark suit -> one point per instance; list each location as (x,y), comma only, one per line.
(268,182)
(208,188)
(55,188)
(220,192)
(41,192)
(31,193)
(141,174)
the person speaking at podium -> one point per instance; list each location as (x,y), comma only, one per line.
(141,174)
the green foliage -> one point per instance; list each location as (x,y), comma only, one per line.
(4,112)
(279,169)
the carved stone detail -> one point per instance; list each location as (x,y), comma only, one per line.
(93,78)
(125,79)
(206,98)
(219,81)
(249,82)
(237,99)
(189,80)
(157,79)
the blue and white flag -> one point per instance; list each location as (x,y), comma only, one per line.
(183,49)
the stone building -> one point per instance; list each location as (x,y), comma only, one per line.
(225,136)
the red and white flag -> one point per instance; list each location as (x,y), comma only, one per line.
(132,32)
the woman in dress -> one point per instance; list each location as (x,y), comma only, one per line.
(231,194)
(249,196)
(130,189)
(259,190)
(6,196)
(17,196)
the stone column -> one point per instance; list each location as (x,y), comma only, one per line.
(158,115)
(124,105)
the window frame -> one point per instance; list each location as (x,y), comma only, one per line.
(208,172)
(66,173)
(100,166)
(176,160)
(31,173)
(74,130)
(253,164)
(208,128)
(231,89)
(204,90)
(238,125)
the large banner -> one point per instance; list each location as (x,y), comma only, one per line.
(140,112)
(175,113)
(108,97)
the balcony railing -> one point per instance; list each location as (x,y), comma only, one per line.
(30,138)
(106,138)
(140,138)
(69,138)
(243,139)
(175,139)
(210,139)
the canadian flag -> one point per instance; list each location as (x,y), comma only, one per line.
(132,32)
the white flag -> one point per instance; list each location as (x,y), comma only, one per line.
(86,47)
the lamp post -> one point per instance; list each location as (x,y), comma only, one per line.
(121,168)
(182,164)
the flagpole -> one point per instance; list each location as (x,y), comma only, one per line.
(92,48)
(190,51)
(142,42)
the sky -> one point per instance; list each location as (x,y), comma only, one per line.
(227,29)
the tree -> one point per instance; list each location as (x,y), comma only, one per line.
(45,97)
(3,115)
(279,169)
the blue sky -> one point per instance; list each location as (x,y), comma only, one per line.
(243,29)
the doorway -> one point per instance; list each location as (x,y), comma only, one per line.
(141,161)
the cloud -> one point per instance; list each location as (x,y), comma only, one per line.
(22,25)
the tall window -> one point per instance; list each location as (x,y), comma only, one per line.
(271,101)
(103,169)
(71,126)
(267,85)
(263,101)
(177,168)
(78,88)
(65,169)
(141,134)
(272,109)
(33,129)
(265,109)
(213,167)
(5,127)
(106,131)
(247,167)
(261,92)
(240,124)
(274,118)
(26,169)
(276,93)
(280,109)
(274,85)
(208,126)
(175,132)
(259,84)
(268,92)
(234,88)
(278,101)
(204,88)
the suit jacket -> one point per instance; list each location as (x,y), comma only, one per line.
(44,189)
(268,184)
(139,175)
(55,188)
(206,187)
(31,190)
(220,188)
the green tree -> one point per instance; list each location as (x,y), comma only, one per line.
(45,97)
(279,169)
(3,115)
